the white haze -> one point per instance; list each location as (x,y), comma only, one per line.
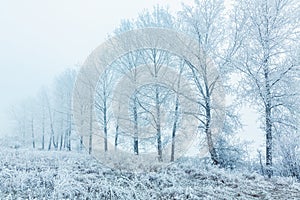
(39,39)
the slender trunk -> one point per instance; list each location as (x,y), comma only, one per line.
(158,125)
(105,123)
(268,142)
(51,140)
(211,147)
(55,139)
(69,133)
(117,135)
(81,143)
(81,137)
(176,115)
(65,143)
(268,122)
(157,106)
(61,141)
(61,135)
(43,131)
(174,129)
(261,164)
(69,140)
(117,129)
(32,134)
(135,138)
(91,128)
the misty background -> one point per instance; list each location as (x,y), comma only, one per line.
(40,39)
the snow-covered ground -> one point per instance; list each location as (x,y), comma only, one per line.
(27,174)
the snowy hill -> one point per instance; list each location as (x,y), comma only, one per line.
(26,174)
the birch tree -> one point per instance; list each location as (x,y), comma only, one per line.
(127,65)
(63,89)
(102,103)
(204,22)
(155,59)
(42,102)
(268,65)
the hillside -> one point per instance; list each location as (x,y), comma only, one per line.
(26,174)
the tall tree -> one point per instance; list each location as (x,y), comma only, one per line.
(155,60)
(204,22)
(268,64)
(127,65)
(42,103)
(63,88)
(103,100)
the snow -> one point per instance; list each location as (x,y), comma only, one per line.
(28,174)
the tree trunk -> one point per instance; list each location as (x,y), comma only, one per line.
(81,143)
(43,131)
(136,133)
(269,142)
(61,141)
(62,134)
(176,115)
(32,134)
(91,129)
(117,135)
(174,129)
(52,141)
(211,147)
(105,124)
(69,133)
(158,125)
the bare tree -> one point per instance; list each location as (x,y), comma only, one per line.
(155,59)
(267,62)
(103,100)
(63,89)
(127,65)
(51,123)
(42,108)
(203,21)
(176,113)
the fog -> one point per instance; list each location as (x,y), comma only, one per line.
(212,112)
(39,39)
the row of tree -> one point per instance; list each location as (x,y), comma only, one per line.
(45,122)
(255,42)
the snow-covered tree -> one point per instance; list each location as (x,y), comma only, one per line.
(63,89)
(267,60)
(204,22)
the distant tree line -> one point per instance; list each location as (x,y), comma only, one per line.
(255,47)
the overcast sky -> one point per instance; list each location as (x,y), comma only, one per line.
(39,39)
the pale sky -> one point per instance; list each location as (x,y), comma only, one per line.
(39,39)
